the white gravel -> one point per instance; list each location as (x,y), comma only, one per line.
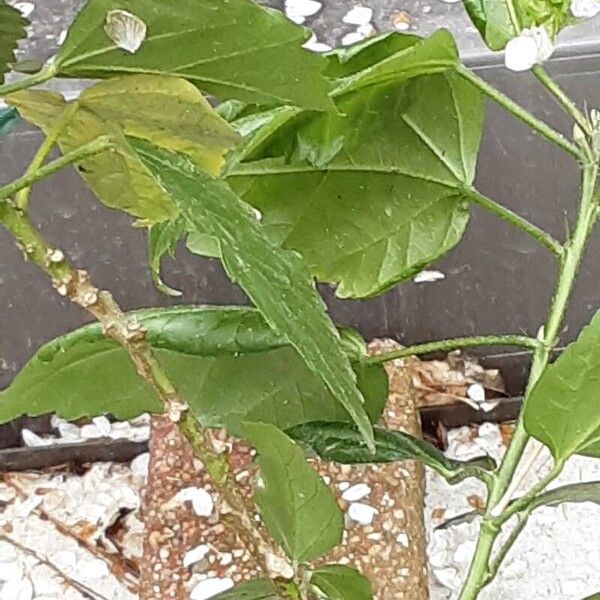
(556,557)
(558,554)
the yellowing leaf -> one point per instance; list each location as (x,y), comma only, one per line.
(166,111)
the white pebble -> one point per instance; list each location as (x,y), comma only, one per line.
(25,508)
(316,46)
(31,439)
(92,569)
(211,587)
(17,590)
(356,492)
(202,503)
(195,555)
(343,486)
(69,432)
(464,552)
(361,513)
(26,8)
(12,571)
(402,539)
(302,8)
(64,558)
(103,425)
(359,15)
(428,277)
(90,432)
(139,466)
(448,577)
(476,392)
(352,38)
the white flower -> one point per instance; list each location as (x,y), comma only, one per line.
(585,9)
(531,47)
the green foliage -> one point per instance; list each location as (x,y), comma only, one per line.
(500,20)
(299,510)
(391,58)
(12,29)
(275,280)
(228,48)
(164,110)
(341,443)
(85,374)
(9,117)
(372,194)
(338,582)
(261,589)
(562,411)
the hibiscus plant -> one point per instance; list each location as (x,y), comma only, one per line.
(354,168)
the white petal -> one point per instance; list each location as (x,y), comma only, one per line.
(545,46)
(126,30)
(520,53)
(585,9)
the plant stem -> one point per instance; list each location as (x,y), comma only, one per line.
(45,74)
(454,344)
(574,248)
(512,107)
(508,544)
(90,149)
(76,285)
(568,105)
(539,235)
(22,197)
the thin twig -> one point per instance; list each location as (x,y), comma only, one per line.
(126,577)
(83,589)
(454,344)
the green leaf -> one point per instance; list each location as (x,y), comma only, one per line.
(118,177)
(562,410)
(83,373)
(12,29)
(339,582)
(167,111)
(261,589)
(593,597)
(228,48)
(392,58)
(255,129)
(9,117)
(374,194)
(340,442)
(497,26)
(588,491)
(162,239)
(276,281)
(299,510)
(492,19)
